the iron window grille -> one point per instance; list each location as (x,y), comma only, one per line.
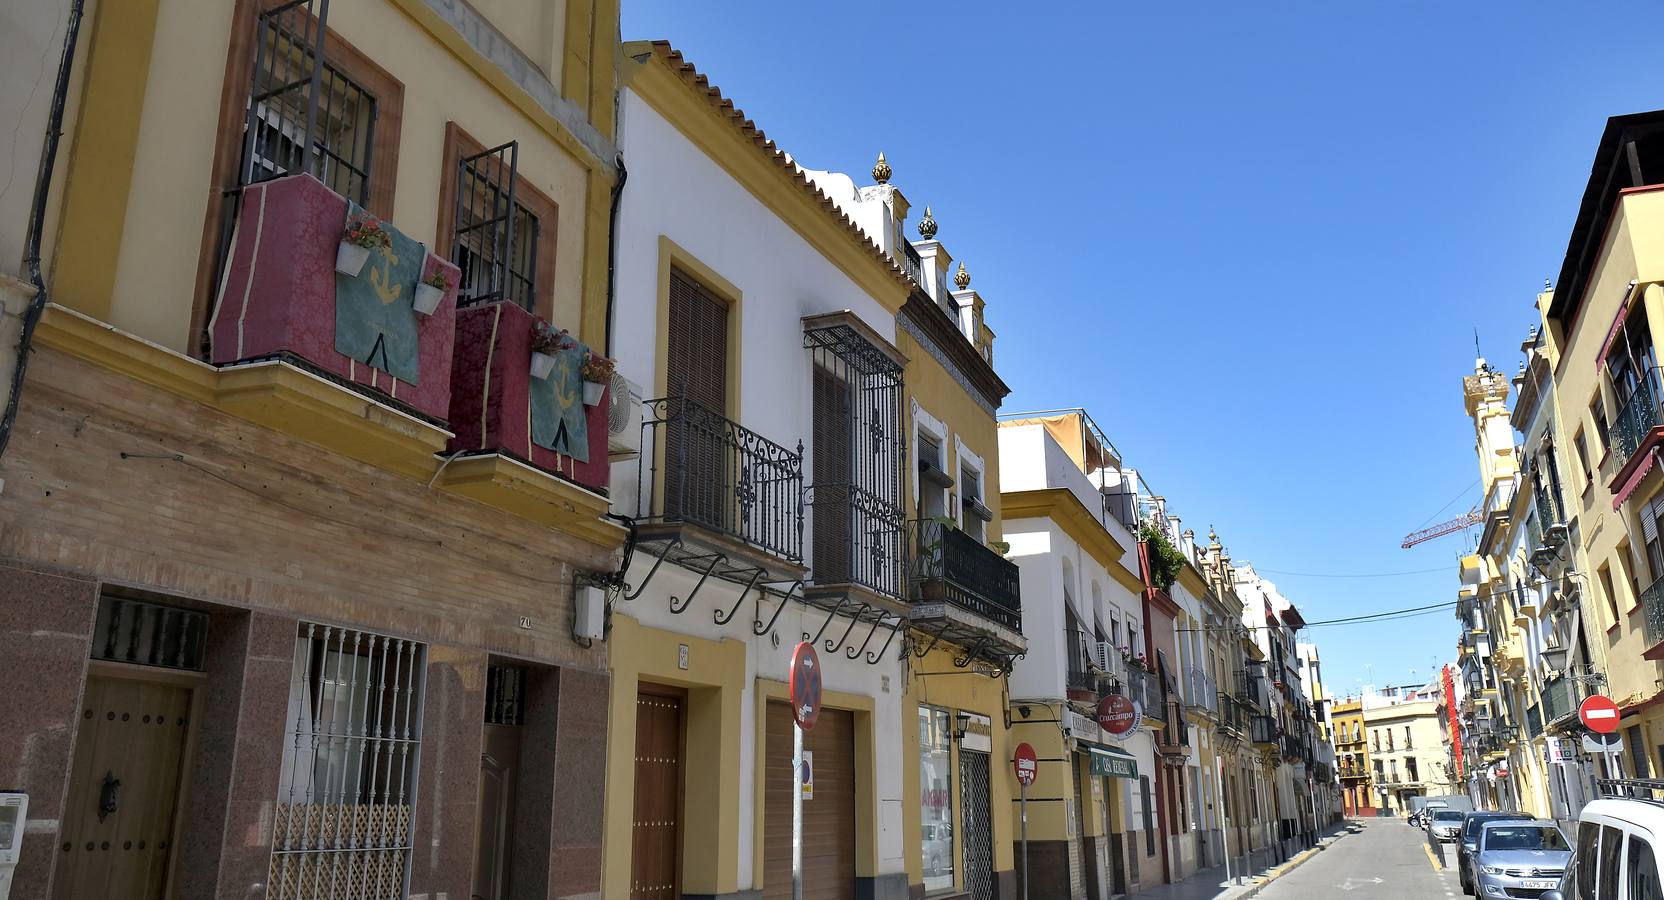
(494,241)
(505,695)
(344,820)
(149,634)
(860,524)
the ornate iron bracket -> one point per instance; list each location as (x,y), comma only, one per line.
(873,658)
(678,605)
(717,614)
(963,661)
(833,648)
(757,626)
(853,651)
(669,546)
(830,616)
(921,654)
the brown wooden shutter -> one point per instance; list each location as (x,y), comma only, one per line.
(696,373)
(828,818)
(832,476)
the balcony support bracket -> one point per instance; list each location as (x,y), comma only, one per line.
(677,604)
(842,602)
(963,661)
(636,592)
(717,614)
(921,654)
(854,621)
(855,651)
(757,626)
(873,658)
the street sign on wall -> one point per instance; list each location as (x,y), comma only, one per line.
(1599,714)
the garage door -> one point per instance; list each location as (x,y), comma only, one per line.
(828,817)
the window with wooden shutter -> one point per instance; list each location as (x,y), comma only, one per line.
(696,381)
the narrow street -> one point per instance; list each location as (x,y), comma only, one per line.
(1386,859)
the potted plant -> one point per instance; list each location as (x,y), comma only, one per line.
(546,342)
(430,291)
(597,371)
(362,234)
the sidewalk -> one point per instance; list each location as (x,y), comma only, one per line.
(1246,880)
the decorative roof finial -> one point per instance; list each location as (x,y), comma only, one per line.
(927,225)
(962,278)
(881,170)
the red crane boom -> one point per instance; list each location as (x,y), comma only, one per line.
(1472,517)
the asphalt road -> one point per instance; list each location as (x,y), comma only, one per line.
(1387,860)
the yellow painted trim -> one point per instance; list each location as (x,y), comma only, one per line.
(866,774)
(100,174)
(577,56)
(1192,580)
(708,127)
(714,680)
(1061,506)
(534,494)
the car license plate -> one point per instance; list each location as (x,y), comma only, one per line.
(1541,884)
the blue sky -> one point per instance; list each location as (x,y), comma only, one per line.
(1253,239)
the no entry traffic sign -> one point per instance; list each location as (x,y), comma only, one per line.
(1025,764)
(1599,714)
(805,686)
(1116,714)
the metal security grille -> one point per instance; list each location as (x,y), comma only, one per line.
(979,838)
(149,634)
(304,115)
(343,825)
(860,525)
(505,695)
(495,240)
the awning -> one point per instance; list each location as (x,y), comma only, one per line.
(1634,479)
(1113,763)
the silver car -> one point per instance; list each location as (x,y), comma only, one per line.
(1445,824)
(1519,859)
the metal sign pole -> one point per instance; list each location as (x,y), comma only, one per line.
(797,812)
(1022,794)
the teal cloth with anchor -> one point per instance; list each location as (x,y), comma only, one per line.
(559,418)
(374,320)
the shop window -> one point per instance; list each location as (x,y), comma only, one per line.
(936,800)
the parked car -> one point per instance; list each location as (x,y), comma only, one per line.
(1470,841)
(1616,856)
(1444,825)
(1421,808)
(1520,859)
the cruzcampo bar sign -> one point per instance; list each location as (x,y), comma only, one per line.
(1113,765)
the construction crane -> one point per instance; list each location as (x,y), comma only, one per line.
(1472,517)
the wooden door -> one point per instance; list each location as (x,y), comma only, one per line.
(499,773)
(655,835)
(828,817)
(696,376)
(123,790)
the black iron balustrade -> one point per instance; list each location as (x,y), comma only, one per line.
(1533,721)
(1652,602)
(1140,687)
(1251,688)
(1079,675)
(912,263)
(1548,508)
(1560,699)
(1232,714)
(699,468)
(950,565)
(1635,418)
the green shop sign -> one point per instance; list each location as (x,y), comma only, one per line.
(1113,765)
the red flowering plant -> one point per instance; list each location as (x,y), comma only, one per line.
(598,368)
(546,339)
(365,230)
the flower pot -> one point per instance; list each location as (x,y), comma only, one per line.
(593,390)
(427,299)
(350,259)
(542,364)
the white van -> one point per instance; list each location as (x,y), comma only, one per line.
(1616,852)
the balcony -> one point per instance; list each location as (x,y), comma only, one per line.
(1201,692)
(951,566)
(1140,687)
(1560,700)
(1635,421)
(1292,748)
(1233,716)
(526,444)
(1252,689)
(1263,730)
(1533,721)
(302,352)
(716,489)
(1652,603)
(1080,679)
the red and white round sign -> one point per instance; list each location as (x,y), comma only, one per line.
(1599,714)
(1117,715)
(1025,764)
(804,685)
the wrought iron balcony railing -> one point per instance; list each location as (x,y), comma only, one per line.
(1232,714)
(1140,687)
(1252,688)
(1078,674)
(1533,721)
(1635,418)
(1200,690)
(705,470)
(1548,508)
(1652,602)
(1560,699)
(912,263)
(950,565)
(1263,730)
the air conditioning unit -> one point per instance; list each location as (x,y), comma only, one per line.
(1107,656)
(623,420)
